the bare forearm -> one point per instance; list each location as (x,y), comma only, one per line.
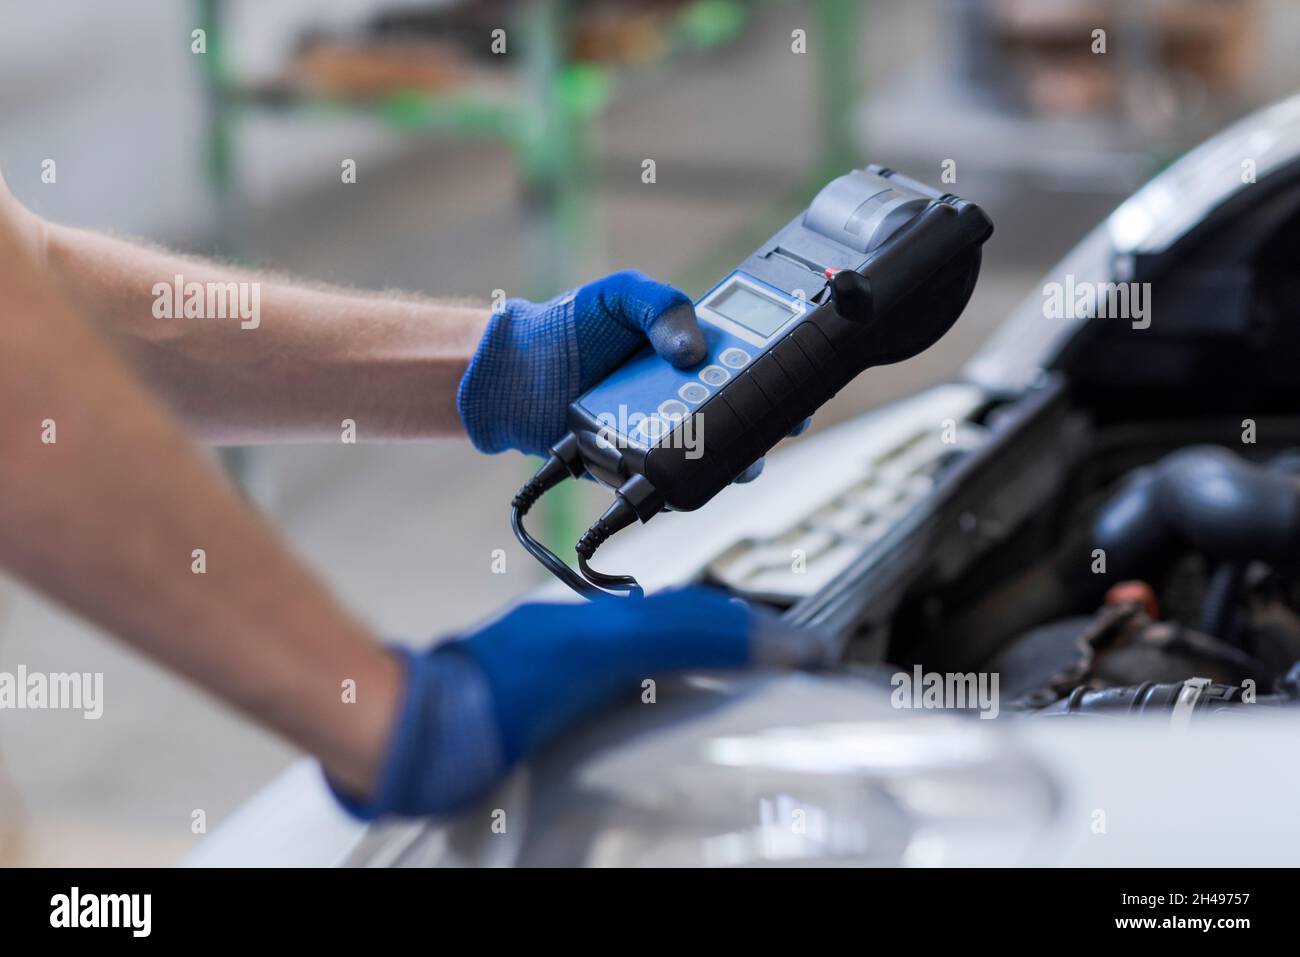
(105,504)
(309,360)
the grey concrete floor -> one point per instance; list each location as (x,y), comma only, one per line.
(405,533)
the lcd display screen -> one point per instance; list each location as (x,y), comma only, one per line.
(750,309)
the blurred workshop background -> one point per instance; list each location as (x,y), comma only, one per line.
(522,171)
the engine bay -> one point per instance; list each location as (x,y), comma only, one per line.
(1146,578)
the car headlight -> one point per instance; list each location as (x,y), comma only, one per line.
(759,770)
(893,789)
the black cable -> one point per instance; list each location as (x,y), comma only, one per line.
(563,462)
(618,516)
(548,476)
(617,582)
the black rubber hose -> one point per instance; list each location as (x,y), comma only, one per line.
(1204,498)
(1149,697)
(1219,610)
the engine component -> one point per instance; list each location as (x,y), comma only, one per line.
(1270,626)
(1193,694)
(1206,498)
(1119,646)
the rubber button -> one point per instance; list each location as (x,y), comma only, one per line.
(652,427)
(714,375)
(734,358)
(693,392)
(673,410)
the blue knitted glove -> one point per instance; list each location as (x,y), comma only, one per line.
(474,707)
(534,360)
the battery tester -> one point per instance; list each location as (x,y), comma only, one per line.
(873,272)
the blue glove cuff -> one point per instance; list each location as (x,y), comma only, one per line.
(516,390)
(446,750)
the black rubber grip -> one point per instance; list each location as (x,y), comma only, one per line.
(899,302)
(765,401)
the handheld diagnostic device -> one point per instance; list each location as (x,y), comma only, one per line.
(874,271)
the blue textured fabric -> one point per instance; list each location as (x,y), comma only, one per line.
(446,749)
(471,708)
(533,360)
(548,665)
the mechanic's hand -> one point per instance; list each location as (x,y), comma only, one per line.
(472,708)
(534,359)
